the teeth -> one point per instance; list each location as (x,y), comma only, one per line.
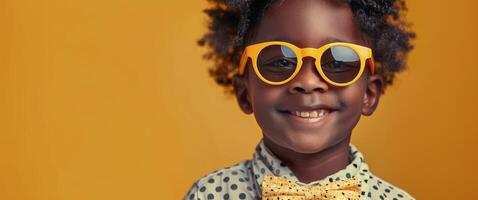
(304,114)
(313,114)
(310,114)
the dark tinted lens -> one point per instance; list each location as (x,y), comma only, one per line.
(340,64)
(276,62)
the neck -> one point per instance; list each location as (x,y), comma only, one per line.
(315,166)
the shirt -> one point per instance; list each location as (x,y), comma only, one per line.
(244,179)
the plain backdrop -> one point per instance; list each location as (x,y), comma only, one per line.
(111,99)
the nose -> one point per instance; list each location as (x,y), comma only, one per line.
(307,79)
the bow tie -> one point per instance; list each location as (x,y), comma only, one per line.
(279,188)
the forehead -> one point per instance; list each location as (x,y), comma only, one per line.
(308,23)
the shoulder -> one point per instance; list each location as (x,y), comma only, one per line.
(221,182)
(381,189)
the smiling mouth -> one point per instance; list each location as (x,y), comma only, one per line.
(308,116)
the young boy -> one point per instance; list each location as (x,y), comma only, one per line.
(307,70)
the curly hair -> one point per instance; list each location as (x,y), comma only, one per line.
(382,22)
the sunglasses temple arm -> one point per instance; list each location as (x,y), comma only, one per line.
(242,63)
(371,64)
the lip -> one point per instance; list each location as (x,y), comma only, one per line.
(308,108)
(309,121)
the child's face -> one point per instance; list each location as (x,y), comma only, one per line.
(307,23)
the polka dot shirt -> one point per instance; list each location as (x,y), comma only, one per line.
(244,179)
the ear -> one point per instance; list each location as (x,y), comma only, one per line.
(374,90)
(242,95)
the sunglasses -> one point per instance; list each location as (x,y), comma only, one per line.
(277,62)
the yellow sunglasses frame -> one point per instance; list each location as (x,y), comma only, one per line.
(252,52)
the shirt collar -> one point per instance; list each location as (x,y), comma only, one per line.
(266,163)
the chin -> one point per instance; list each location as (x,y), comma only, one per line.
(308,145)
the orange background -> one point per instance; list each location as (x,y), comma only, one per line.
(111,100)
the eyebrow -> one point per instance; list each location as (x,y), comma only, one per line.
(289,40)
(334,39)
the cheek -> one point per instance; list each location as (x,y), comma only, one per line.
(264,99)
(352,98)
(262,95)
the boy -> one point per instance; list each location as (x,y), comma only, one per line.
(307,70)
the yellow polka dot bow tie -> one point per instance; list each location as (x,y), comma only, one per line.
(279,188)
